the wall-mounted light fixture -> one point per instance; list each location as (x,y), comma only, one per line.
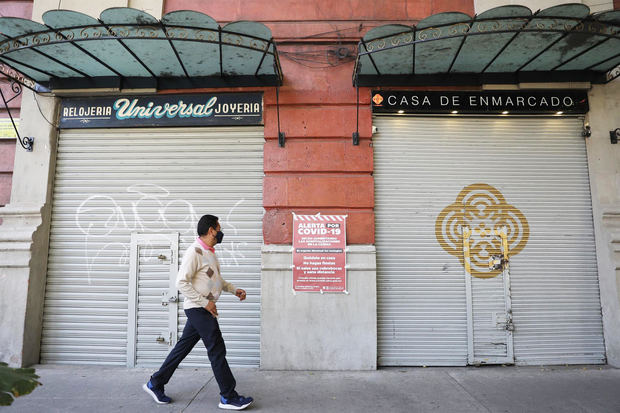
(614,135)
(587,131)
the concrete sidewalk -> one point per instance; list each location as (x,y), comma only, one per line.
(466,389)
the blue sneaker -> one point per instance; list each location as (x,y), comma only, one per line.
(235,403)
(156,394)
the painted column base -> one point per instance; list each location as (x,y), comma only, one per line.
(313,331)
(22,284)
(610,287)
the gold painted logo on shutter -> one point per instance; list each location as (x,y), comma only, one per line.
(483,209)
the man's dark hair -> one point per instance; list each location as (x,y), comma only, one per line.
(206,222)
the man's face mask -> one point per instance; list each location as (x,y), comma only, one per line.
(219,237)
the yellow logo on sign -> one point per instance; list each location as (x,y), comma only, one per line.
(377,99)
(484,210)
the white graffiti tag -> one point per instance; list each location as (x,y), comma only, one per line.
(100,215)
(106,223)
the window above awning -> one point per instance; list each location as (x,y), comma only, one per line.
(507,45)
(130,49)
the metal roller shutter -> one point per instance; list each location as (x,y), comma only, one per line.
(112,183)
(539,165)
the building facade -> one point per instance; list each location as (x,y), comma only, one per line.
(438,198)
(7,134)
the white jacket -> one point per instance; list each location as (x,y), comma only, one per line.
(199,278)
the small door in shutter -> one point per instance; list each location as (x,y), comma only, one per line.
(152,298)
(487,288)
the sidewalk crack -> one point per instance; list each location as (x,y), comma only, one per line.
(467,391)
(197,393)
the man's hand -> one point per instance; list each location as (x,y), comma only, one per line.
(212,308)
(240,293)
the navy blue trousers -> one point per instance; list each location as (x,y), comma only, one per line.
(200,325)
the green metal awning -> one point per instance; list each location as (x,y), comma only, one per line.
(507,44)
(128,48)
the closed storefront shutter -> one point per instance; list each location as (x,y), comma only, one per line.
(112,183)
(535,170)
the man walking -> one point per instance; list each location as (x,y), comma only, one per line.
(200,282)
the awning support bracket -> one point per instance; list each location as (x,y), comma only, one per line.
(356,134)
(27,141)
(281,136)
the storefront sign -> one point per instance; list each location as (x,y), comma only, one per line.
(319,258)
(485,102)
(163,110)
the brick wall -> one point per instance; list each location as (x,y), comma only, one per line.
(319,169)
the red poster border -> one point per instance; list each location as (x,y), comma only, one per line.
(325,217)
